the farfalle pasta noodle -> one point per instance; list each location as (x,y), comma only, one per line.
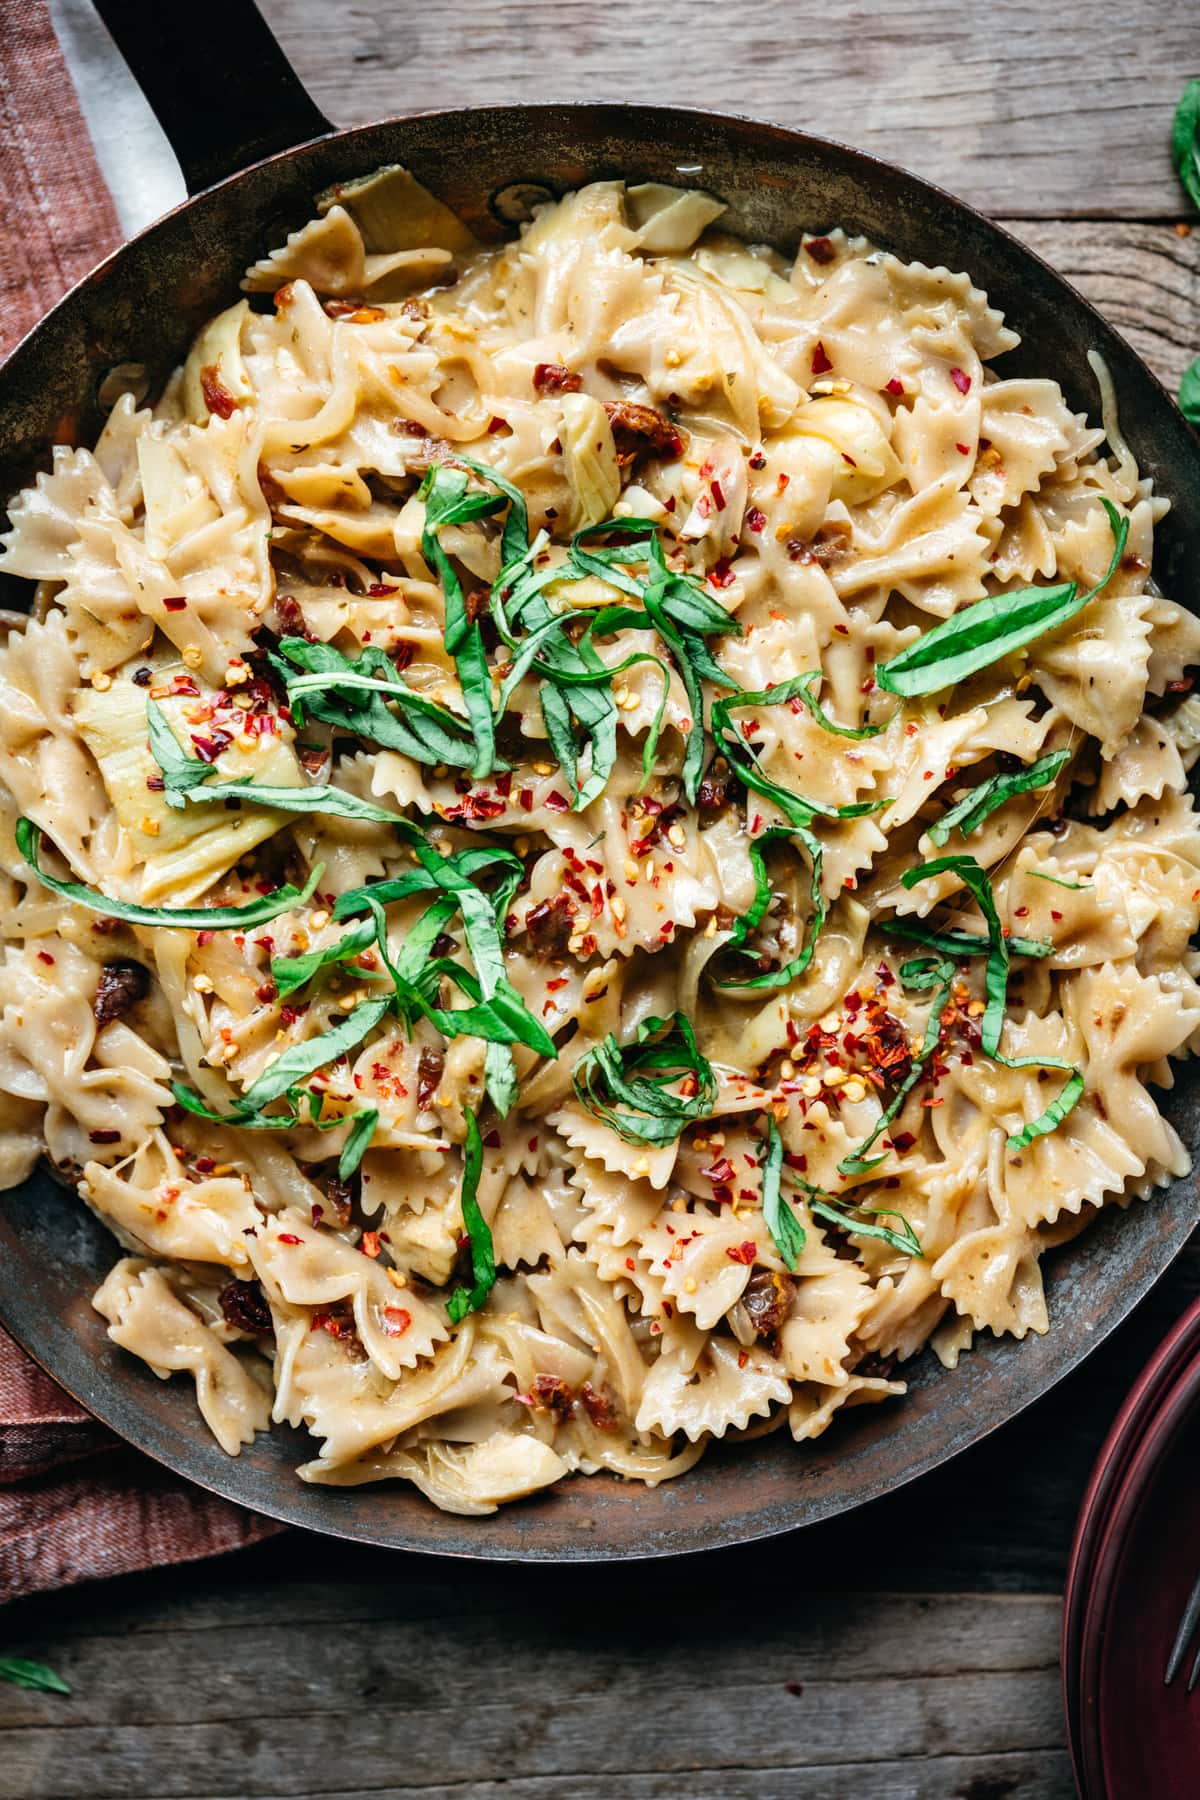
(450,1250)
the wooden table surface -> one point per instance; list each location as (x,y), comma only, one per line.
(909,1652)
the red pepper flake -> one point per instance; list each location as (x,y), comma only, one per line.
(504,783)
(396,1320)
(669,503)
(755,519)
(963,449)
(379,589)
(718,494)
(266,992)
(743,1253)
(556,378)
(821,364)
(104,1137)
(525,799)
(719,1171)
(492,1140)
(895,386)
(721,575)
(902,1141)
(495,425)
(1020,912)
(176,603)
(820,249)
(370,1244)
(961,380)
(1056,916)
(554,802)
(45,956)
(758,460)
(203,938)
(289,1237)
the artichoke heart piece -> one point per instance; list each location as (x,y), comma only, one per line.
(394,212)
(214,375)
(668,220)
(590,460)
(862,462)
(182,851)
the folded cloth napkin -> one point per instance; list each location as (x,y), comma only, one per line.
(74,1502)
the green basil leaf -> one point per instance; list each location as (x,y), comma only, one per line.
(1189,393)
(291,1120)
(992,628)
(325,800)
(1185,140)
(627,1087)
(183,918)
(466,1300)
(305,1058)
(804,693)
(857,1163)
(366,697)
(447,502)
(514,541)
(794,807)
(1081,887)
(962,943)
(979,805)
(976,882)
(787,1233)
(180,771)
(354,1149)
(906,1241)
(34,1675)
(291,972)
(1056,1112)
(753,916)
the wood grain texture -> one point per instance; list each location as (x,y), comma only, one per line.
(908,1652)
(1020,107)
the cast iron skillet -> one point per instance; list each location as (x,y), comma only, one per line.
(227,99)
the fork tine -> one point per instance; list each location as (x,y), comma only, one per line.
(1187,1629)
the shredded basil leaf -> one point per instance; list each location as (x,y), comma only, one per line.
(804,692)
(447,502)
(185,918)
(787,1233)
(1185,140)
(976,882)
(354,1149)
(992,628)
(745,763)
(962,943)
(1081,887)
(466,1300)
(825,1206)
(628,1087)
(1056,1112)
(755,912)
(305,1058)
(1189,393)
(188,778)
(33,1675)
(292,972)
(367,697)
(977,806)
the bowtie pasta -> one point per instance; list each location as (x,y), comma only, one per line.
(596,839)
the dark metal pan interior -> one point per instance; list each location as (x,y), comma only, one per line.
(142,306)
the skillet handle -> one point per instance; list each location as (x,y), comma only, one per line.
(217,81)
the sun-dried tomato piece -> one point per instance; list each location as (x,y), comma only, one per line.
(641,429)
(556,378)
(549,1394)
(549,927)
(598,1407)
(217,396)
(430,1068)
(290,617)
(122,984)
(337,1319)
(244,1306)
(767,1298)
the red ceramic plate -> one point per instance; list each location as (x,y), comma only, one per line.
(1137,1414)
(1132,1737)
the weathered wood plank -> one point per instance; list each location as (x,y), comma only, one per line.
(1026,110)
(1145,279)
(1038,1776)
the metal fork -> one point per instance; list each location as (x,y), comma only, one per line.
(1188,1626)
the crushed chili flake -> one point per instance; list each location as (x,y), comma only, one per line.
(963,449)
(821,364)
(396,1320)
(289,1237)
(176,603)
(894,386)
(742,1253)
(755,518)
(370,1244)
(104,1137)
(556,378)
(556,802)
(961,380)
(821,249)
